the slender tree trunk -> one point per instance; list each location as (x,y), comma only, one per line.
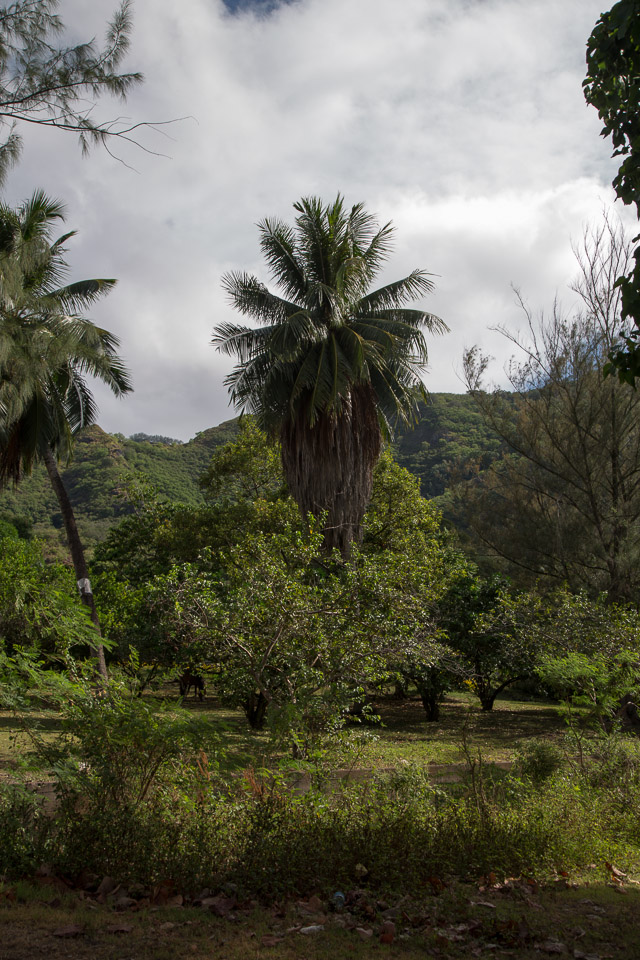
(77,554)
(329,466)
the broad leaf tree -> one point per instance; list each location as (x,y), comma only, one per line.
(47,350)
(612,86)
(332,364)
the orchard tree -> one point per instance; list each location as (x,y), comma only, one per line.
(400,523)
(486,626)
(246,469)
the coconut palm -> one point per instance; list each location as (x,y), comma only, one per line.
(332,365)
(47,351)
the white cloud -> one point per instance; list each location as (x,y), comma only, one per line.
(463,122)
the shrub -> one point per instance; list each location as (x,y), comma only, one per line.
(538,760)
(24,830)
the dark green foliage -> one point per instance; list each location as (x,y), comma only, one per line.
(24,830)
(154,438)
(97,482)
(270,842)
(612,86)
(451,441)
(538,760)
(248,469)
(485,625)
(39,602)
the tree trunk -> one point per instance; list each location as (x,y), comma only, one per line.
(400,690)
(329,466)
(431,704)
(255,707)
(77,554)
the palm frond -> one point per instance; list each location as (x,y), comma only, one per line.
(253,299)
(81,294)
(240,341)
(395,294)
(46,350)
(328,333)
(278,244)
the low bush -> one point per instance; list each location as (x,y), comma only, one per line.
(538,760)
(24,831)
(269,841)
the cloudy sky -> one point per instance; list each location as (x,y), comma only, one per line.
(462,121)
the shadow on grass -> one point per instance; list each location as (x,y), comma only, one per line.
(508,723)
(48,723)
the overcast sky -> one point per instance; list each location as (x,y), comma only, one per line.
(462,121)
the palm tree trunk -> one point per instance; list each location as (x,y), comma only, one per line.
(77,554)
(329,467)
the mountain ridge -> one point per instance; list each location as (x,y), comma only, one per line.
(449,438)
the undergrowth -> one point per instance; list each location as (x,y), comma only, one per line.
(141,798)
(389,833)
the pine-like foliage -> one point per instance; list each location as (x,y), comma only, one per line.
(57,86)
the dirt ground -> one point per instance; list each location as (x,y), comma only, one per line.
(513,918)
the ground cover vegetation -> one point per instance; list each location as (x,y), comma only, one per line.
(356,754)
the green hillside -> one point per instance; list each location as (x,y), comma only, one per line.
(96,481)
(449,440)
(450,437)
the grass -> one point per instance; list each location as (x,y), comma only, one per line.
(424,852)
(591,919)
(15,744)
(403,736)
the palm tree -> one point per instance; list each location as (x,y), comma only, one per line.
(46,353)
(332,366)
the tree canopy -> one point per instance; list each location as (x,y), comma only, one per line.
(332,363)
(42,82)
(612,86)
(564,501)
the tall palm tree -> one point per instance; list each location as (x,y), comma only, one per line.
(47,350)
(332,365)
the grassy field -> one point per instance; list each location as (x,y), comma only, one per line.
(588,912)
(403,736)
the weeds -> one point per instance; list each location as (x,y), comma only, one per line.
(269,841)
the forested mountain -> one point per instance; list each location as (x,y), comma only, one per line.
(97,481)
(450,439)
